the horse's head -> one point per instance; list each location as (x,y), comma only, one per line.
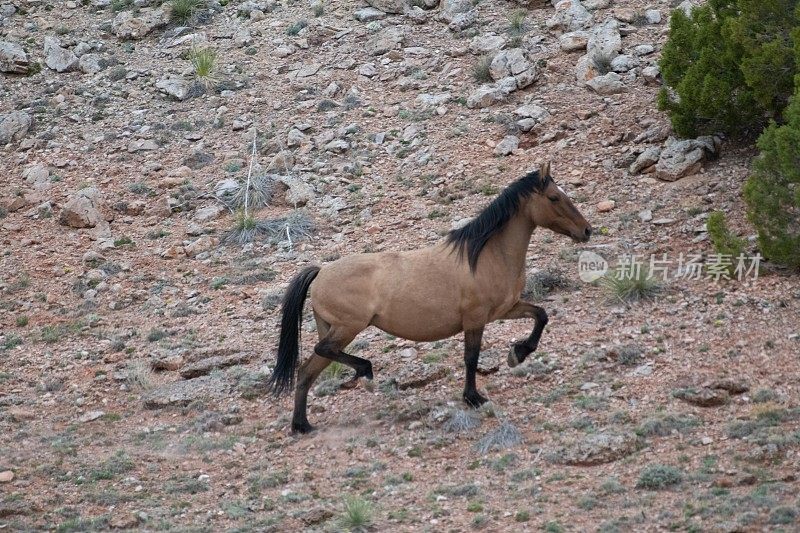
(551,208)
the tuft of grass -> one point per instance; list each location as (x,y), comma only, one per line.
(204,62)
(480,72)
(505,436)
(139,376)
(516,22)
(357,514)
(119,463)
(656,477)
(120,5)
(461,421)
(259,194)
(725,242)
(629,287)
(156,335)
(539,284)
(629,354)
(11,341)
(181,11)
(293,227)
(21,321)
(318,8)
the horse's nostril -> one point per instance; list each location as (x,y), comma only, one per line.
(588,232)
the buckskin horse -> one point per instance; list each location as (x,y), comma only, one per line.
(474,277)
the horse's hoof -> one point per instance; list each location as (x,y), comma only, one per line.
(301,428)
(513,359)
(474,399)
(369,385)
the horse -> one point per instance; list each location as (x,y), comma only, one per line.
(473,277)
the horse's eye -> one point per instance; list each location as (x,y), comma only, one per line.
(553,198)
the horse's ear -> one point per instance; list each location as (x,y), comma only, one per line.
(544,170)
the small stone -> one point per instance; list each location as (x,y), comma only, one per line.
(369,14)
(6,476)
(606,205)
(607,84)
(14,126)
(90,416)
(506,146)
(706,441)
(652,16)
(703,397)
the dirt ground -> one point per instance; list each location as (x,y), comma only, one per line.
(134,351)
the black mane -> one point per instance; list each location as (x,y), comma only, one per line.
(474,236)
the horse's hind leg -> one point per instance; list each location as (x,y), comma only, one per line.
(306,375)
(520,350)
(472,351)
(331,347)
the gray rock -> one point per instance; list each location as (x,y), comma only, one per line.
(652,16)
(337,146)
(205,366)
(509,62)
(433,100)
(462,21)
(81,211)
(13,58)
(127,26)
(486,96)
(294,138)
(294,191)
(90,63)
(624,63)
(386,41)
(176,87)
(652,74)
(208,213)
(449,9)
(369,14)
(486,44)
(644,49)
(37,175)
(574,41)
(570,15)
(14,126)
(596,448)
(646,159)
(506,146)
(390,6)
(607,84)
(605,41)
(593,5)
(687,6)
(182,393)
(684,158)
(58,58)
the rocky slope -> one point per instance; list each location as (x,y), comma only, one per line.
(137,330)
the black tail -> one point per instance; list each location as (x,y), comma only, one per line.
(282,379)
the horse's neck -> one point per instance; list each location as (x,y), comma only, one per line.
(510,246)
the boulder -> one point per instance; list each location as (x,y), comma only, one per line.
(646,159)
(14,126)
(570,16)
(58,58)
(596,448)
(574,41)
(127,26)
(684,158)
(486,96)
(13,58)
(509,62)
(605,42)
(82,210)
(293,191)
(450,9)
(390,6)
(175,87)
(506,146)
(90,63)
(607,84)
(369,14)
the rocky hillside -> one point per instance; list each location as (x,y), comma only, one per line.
(138,298)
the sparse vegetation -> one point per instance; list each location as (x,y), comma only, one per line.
(357,514)
(656,477)
(204,62)
(481,69)
(631,285)
(181,11)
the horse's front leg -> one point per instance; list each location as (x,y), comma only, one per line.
(520,350)
(472,350)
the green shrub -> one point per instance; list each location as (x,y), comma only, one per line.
(656,477)
(772,192)
(725,242)
(729,66)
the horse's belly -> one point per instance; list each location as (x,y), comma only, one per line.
(418,329)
